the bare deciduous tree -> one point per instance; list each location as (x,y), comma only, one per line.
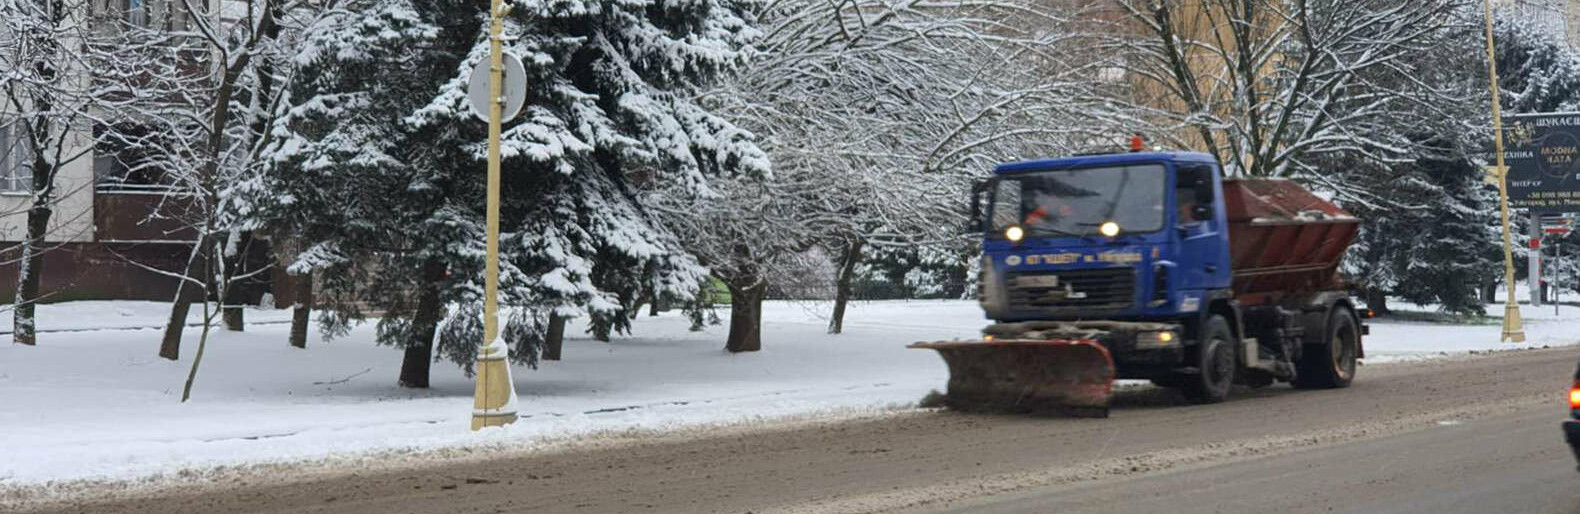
(1268,85)
(49,114)
(877,115)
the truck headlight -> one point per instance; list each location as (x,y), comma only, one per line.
(1158,339)
(1108,229)
(1014,233)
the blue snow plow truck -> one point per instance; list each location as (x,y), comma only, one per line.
(1151,266)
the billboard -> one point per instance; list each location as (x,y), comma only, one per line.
(1542,152)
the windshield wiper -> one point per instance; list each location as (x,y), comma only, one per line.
(1052,231)
(1113,204)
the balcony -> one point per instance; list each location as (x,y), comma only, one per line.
(142,214)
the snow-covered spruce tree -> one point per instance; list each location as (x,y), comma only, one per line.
(1430,243)
(383,163)
(338,183)
(931,272)
(1432,232)
(1537,69)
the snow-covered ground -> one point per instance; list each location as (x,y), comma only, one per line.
(96,315)
(100,404)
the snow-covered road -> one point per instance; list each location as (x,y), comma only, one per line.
(100,404)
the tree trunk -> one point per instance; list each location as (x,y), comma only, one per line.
(842,286)
(197,359)
(1489,292)
(555,339)
(746,313)
(170,347)
(425,323)
(301,309)
(24,326)
(652,289)
(232,311)
(24,323)
(1377,300)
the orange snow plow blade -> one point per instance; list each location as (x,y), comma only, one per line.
(1069,376)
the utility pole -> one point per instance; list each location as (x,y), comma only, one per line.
(1533,271)
(494,403)
(1513,329)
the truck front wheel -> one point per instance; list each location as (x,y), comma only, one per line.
(1330,363)
(1215,362)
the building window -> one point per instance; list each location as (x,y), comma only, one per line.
(16,159)
(124,160)
(153,14)
(136,12)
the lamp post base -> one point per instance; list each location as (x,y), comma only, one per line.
(1513,328)
(494,403)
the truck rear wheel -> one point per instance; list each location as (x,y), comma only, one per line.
(1215,362)
(1330,363)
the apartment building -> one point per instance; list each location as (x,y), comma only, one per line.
(117,230)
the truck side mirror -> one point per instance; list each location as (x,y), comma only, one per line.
(1198,179)
(975,224)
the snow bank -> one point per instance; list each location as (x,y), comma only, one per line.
(100,404)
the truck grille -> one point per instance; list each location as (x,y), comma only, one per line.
(1094,289)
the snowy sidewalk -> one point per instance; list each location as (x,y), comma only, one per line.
(126,315)
(100,404)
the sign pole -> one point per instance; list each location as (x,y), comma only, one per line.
(1533,273)
(1513,329)
(494,403)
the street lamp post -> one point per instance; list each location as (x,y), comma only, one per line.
(1513,329)
(494,403)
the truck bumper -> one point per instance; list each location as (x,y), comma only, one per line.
(1572,436)
(1136,350)
(1134,360)
(1148,363)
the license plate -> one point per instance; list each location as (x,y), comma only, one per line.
(1038,281)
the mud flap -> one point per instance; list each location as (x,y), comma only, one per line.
(1068,376)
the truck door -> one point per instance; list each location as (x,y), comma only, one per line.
(1203,236)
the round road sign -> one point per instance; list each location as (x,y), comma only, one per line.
(514,88)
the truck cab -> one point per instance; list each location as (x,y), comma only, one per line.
(1137,236)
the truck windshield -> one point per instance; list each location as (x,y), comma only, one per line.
(1076,202)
